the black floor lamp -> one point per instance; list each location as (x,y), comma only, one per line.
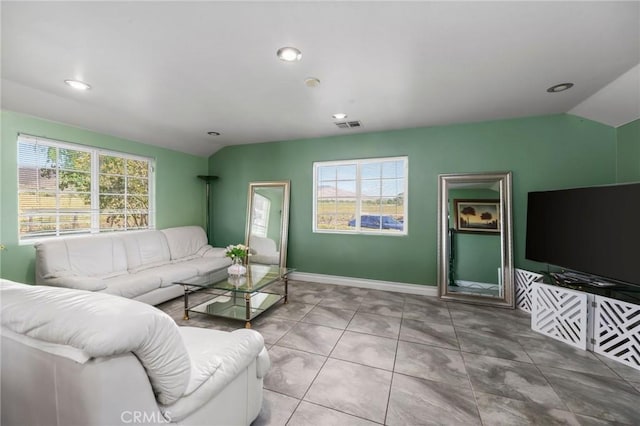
(207,180)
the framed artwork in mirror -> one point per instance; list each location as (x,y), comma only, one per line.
(481,216)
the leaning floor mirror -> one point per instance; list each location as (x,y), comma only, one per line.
(475,250)
(268,222)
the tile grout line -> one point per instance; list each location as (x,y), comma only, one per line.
(318,373)
(395,358)
(466,370)
(457,329)
(293,412)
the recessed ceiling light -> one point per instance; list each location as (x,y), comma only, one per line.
(213,133)
(560,87)
(339,116)
(77,84)
(289,54)
(312,82)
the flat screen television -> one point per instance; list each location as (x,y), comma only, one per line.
(593,230)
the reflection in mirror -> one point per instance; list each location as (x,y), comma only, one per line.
(474,240)
(475,249)
(267,222)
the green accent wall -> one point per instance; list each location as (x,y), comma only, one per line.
(628,138)
(179,194)
(546,152)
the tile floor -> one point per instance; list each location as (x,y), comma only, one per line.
(351,356)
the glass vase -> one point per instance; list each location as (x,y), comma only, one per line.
(237,267)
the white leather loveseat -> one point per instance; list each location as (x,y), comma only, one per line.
(73,357)
(138,265)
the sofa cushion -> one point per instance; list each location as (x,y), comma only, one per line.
(131,285)
(223,354)
(215,252)
(101,325)
(205,251)
(170,274)
(52,260)
(217,357)
(83,256)
(185,241)
(206,265)
(96,255)
(78,282)
(145,249)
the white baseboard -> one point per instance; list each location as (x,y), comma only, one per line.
(424,290)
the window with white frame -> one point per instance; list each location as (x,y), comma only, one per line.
(66,189)
(361,196)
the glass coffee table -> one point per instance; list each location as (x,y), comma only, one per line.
(238,297)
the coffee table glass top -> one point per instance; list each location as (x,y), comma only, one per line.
(257,277)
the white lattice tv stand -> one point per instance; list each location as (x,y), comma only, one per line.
(604,325)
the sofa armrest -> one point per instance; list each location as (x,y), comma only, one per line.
(263,363)
(77,282)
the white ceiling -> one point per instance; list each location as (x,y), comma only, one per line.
(165,73)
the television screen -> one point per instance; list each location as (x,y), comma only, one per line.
(594,230)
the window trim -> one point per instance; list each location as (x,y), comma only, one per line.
(359,162)
(94,170)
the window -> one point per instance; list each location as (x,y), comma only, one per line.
(361,196)
(68,189)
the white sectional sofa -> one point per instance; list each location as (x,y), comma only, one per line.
(140,265)
(73,357)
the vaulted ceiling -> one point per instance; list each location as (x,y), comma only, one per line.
(166,73)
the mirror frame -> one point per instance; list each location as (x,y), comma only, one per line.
(503,179)
(284,219)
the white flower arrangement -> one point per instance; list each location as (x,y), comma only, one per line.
(237,251)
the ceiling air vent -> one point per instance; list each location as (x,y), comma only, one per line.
(348,124)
